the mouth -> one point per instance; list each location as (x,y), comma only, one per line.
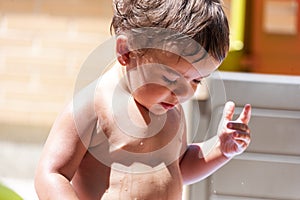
(167,106)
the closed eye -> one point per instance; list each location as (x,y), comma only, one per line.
(167,80)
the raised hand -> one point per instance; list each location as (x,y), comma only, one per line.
(234,135)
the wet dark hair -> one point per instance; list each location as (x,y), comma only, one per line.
(202,20)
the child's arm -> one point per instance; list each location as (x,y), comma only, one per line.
(63,152)
(232,139)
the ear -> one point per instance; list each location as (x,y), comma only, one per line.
(122,50)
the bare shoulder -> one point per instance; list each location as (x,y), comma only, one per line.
(103,98)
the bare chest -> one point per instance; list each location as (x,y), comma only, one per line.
(140,149)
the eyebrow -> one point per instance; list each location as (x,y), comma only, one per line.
(201,58)
(198,50)
(171,71)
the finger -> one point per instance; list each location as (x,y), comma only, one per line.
(245,114)
(242,145)
(228,111)
(238,126)
(242,136)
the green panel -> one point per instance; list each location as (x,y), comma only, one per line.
(8,194)
(237,28)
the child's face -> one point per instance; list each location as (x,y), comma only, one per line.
(164,80)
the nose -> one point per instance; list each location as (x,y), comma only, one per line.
(183,91)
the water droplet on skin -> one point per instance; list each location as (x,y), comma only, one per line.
(125,189)
(141,143)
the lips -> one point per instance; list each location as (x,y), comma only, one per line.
(167,106)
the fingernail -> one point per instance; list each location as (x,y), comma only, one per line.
(229,125)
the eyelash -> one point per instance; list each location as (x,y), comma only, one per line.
(197,81)
(168,80)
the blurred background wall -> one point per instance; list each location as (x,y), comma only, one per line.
(43,44)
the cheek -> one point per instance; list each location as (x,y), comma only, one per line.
(151,92)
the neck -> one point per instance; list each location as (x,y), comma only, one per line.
(123,77)
(145,113)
